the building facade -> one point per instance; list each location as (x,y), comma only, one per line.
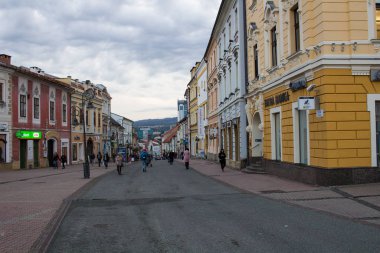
(5,112)
(40,117)
(314,104)
(201,74)
(193,108)
(212,127)
(229,30)
(182,109)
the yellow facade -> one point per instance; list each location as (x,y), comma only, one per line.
(193,86)
(330,62)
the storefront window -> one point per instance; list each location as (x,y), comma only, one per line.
(378,132)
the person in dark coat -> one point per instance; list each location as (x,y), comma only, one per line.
(55,160)
(99,157)
(63,160)
(222,159)
(106,159)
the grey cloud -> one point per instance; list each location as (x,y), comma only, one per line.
(137,48)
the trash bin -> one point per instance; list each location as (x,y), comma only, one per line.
(86,170)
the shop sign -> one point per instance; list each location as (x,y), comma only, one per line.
(306,103)
(278,99)
(25,134)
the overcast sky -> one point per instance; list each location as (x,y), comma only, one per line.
(142,50)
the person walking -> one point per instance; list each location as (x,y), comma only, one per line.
(55,160)
(144,157)
(119,163)
(186,157)
(171,157)
(106,159)
(222,159)
(99,157)
(63,160)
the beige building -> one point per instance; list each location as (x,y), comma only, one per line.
(314,94)
(193,111)
(212,97)
(89,115)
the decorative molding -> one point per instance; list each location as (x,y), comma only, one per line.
(360,70)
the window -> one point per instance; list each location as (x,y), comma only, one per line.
(1,92)
(23,106)
(52,111)
(64,113)
(256,61)
(99,120)
(229,32)
(378,18)
(36,108)
(294,37)
(274,46)
(236,20)
(87,122)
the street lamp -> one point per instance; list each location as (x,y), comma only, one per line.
(87,96)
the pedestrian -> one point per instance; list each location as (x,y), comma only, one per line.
(63,160)
(92,158)
(222,159)
(171,157)
(144,157)
(99,157)
(186,157)
(113,157)
(119,163)
(106,159)
(55,160)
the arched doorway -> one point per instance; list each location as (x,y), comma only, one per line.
(257,136)
(51,148)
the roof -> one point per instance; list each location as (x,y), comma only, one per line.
(168,136)
(114,122)
(43,77)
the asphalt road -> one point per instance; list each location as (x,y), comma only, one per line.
(170,209)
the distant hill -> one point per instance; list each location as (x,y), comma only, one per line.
(154,123)
(157,125)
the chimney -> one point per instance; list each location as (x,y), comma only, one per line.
(5,59)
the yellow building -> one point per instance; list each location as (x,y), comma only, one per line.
(313,105)
(92,118)
(193,119)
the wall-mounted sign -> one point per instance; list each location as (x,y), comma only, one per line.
(31,135)
(298,85)
(278,99)
(306,103)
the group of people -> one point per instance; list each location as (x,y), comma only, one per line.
(186,158)
(145,157)
(57,159)
(105,158)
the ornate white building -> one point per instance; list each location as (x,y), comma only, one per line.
(229,30)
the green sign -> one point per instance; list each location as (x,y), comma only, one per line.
(24,134)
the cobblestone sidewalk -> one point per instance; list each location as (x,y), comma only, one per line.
(29,200)
(358,202)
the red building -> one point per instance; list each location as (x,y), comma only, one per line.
(40,117)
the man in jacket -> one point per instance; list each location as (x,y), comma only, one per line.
(144,157)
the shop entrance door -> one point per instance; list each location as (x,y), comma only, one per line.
(277,132)
(303,136)
(36,158)
(377,111)
(23,148)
